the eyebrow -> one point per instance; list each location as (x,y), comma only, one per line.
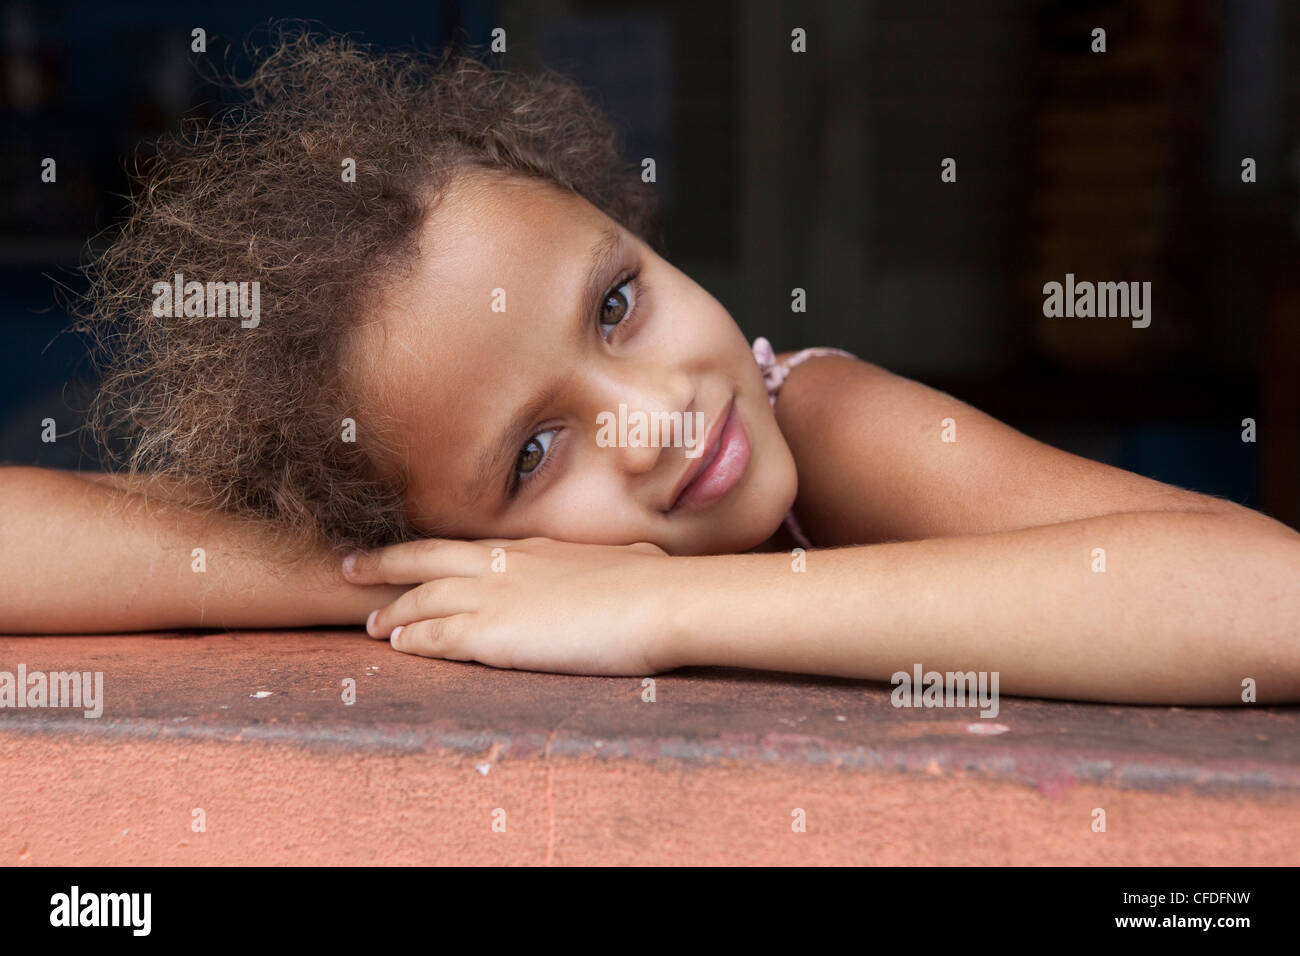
(497,456)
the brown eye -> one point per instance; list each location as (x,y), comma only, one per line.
(617,307)
(531,456)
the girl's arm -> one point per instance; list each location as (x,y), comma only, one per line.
(1188,607)
(88,554)
(1069,577)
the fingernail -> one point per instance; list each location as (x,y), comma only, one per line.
(350,563)
(370,621)
(393,637)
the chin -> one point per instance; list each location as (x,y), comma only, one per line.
(757,516)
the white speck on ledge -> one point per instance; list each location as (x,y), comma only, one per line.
(987,729)
(261,693)
(483,768)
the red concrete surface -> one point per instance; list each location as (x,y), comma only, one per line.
(587,772)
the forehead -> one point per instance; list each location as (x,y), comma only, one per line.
(493,245)
(457,344)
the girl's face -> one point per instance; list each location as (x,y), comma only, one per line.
(528,319)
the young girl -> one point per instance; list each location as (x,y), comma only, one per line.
(460,287)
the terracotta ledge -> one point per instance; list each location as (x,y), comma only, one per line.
(583,770)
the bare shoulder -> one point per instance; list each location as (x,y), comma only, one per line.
(882,457)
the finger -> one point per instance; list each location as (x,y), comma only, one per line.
(440,637)
(441,597)
(414,562)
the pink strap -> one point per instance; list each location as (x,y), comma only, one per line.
(774,375)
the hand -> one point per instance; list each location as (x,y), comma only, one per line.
(530,604)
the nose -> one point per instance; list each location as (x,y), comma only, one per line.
(646,407)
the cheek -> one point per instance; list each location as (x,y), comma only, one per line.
(694,314)
(775,476)
(592,508)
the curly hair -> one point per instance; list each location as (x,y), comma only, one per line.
(250,419)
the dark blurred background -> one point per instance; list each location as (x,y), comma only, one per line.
(822,171)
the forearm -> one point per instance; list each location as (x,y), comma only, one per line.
(1188,606)
(83,557)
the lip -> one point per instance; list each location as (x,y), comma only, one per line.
(712,475)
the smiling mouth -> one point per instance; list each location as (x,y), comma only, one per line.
(719,469)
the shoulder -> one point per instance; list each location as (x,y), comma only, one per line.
(816,389)
(882,457)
